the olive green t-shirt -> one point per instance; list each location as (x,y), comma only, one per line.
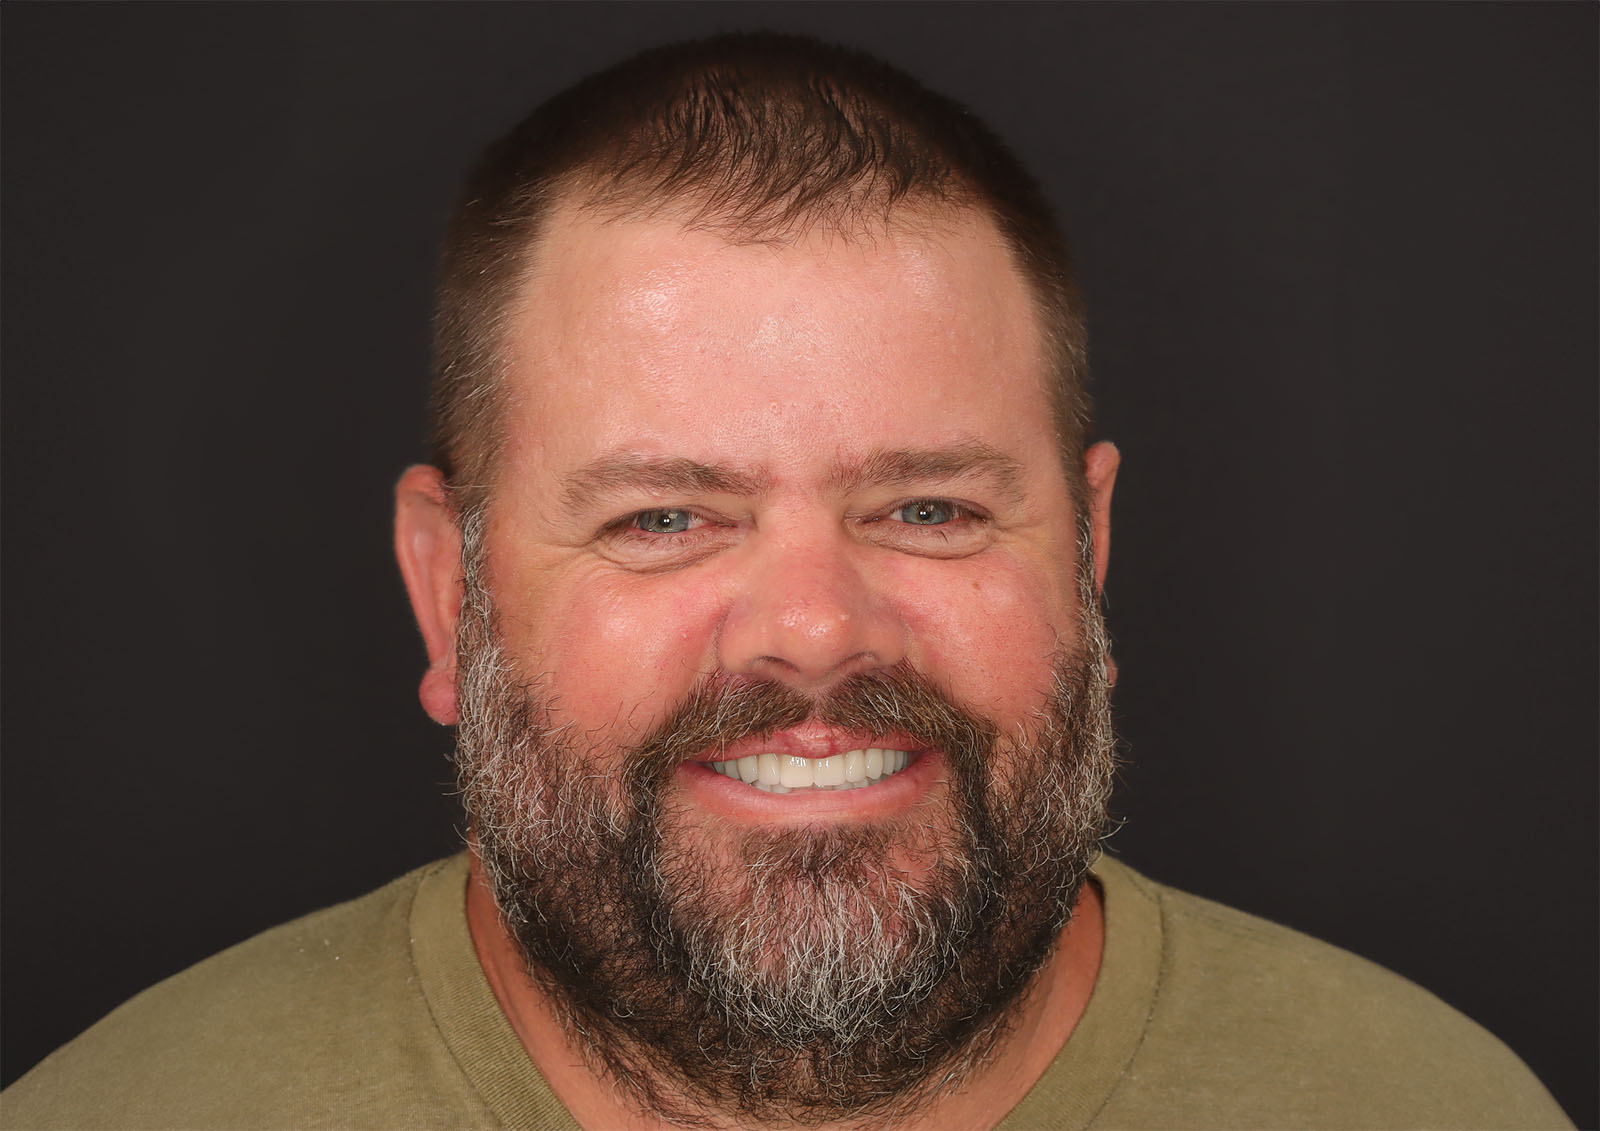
(376,1014)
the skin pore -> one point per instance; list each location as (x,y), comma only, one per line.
(798,463)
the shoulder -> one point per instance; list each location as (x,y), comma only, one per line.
(316,1022)
(1256,1024)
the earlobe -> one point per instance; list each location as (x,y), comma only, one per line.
(427,544)
(1100,465)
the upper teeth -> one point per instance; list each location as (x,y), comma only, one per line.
(779,773)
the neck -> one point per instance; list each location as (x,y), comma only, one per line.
(1035,1033)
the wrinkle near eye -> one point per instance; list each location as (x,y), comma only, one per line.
(931,527)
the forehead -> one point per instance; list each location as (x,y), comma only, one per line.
(641,336)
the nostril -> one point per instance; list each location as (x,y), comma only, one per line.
(817,676)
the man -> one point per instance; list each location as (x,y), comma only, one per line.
(759,575)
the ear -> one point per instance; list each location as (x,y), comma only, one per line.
(1100,465)
(427,543)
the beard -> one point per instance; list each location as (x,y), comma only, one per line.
(781,975)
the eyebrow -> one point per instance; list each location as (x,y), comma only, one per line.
(900,467)
(886,467)
(614,474)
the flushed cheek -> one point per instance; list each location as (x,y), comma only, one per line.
(624,652)
(990,633)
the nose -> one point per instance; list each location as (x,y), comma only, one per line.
(806,614)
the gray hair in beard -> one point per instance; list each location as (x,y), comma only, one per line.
(796,975)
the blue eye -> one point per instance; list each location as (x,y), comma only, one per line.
(663,521)
(927,512)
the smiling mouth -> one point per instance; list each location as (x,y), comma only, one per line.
(786,773)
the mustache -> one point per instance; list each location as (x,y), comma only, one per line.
(721,710)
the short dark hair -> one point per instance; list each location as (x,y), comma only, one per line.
(760,137)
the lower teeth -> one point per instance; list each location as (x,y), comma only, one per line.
(812,788)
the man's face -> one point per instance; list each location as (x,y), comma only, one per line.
(797,463)
(778,729)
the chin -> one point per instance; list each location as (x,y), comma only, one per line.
(773,894)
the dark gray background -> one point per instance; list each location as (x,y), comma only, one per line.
(1341,263)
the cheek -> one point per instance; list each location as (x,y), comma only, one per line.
(625,651)
(990,632)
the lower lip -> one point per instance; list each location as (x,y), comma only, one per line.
(721,794)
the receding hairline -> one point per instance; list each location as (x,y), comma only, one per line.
(857,212)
